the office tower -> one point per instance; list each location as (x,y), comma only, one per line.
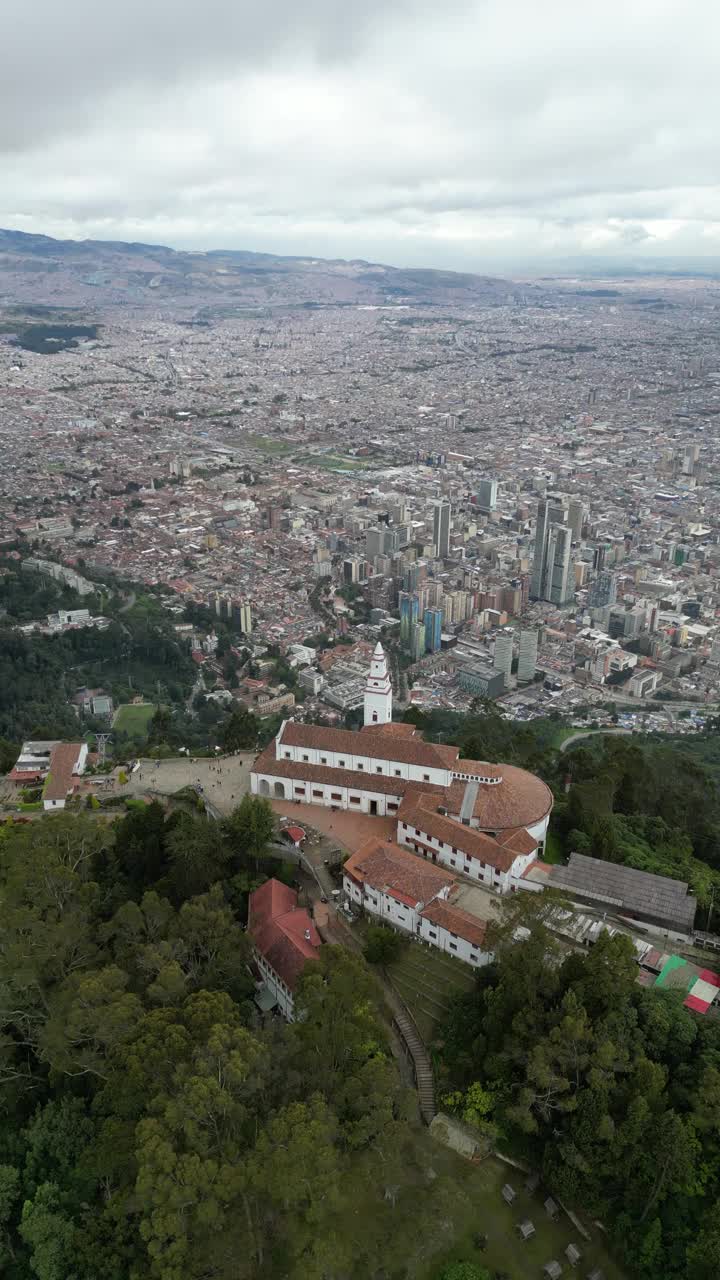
(603,590)
(576,516)
(441,528)
(374,542)
(551,578)
(433,630)
(417,641)
(409,611)
(398,512)
(503,656)
(487,495)
(527,655)
(691,455)
(242,616)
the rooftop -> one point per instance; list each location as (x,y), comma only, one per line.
(625,889)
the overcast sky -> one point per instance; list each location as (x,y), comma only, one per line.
(463,133)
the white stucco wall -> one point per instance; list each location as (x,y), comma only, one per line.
(361,763)
(455,946)
(277,986)
(324,793)
(452,857)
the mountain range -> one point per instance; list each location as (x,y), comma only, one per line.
(42,273)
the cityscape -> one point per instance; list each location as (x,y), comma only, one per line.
(517,493)
(360,641)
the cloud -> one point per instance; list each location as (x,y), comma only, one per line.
(392,129)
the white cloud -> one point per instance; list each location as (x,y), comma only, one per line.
(404,131)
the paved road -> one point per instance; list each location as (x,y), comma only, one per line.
(590,733)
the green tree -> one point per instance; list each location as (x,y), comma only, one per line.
(382,945)
(250,828)
(240,731)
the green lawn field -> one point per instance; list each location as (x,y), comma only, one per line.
(134,720)
(480,1208)
(426,980)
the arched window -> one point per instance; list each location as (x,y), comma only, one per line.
(375,716)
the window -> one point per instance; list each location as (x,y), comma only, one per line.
(426,777)
(398,773)
(318,794)
(391,808)
(354,799)
(378,768)
(432,933)
(341,764)
(306,758)
(360,764)
(300,789)
(323,759)
(453,946)
(288,755)
(335,795)
(375,716)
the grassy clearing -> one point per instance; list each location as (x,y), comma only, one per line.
(427,980)
(562,733)
(479,1207)
(269,444)
(134,720)
(334,462)
(553,853)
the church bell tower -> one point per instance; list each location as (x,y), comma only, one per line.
(378,690)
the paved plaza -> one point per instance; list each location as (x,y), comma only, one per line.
(224,781)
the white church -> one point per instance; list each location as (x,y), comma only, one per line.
(485,821)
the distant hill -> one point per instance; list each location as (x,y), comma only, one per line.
(37,271)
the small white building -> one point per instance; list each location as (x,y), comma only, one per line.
(415,897)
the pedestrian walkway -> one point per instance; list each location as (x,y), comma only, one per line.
(350,830)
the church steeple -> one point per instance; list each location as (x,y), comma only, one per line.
(378,690)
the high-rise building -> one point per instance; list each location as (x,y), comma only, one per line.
(576,517)
(409,613)
(441,527)
(503,656)
(487,495)
(242,616)
(375,541)
(417,641)
(603,590)
(378,690)
(433,630)
(551,576)
(527,655)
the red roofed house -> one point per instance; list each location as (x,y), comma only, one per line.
(284,938)
(415,896)
(55,764)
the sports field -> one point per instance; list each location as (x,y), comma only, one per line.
(134,720)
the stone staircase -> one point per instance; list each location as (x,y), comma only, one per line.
(421,1060)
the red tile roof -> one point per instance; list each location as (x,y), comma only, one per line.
(62,762)
(406,750)
(520,800)
(278,928)
(326,774)
(455,920)
(421,811)
(385,866)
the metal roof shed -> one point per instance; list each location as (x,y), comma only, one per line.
(626,891)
